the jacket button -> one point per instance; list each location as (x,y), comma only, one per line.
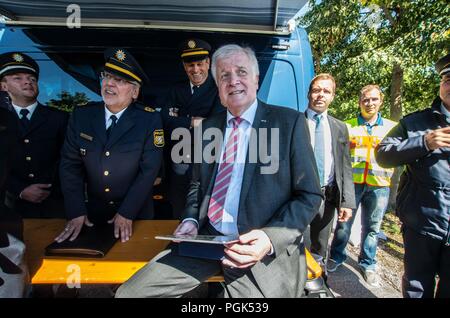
(111,202)
(107,154)
(28,158)
(106,173)
(31,175)
(107,190)
(26,141)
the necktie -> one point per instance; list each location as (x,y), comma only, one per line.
(111,127)
(24,119)
(223,178)
(195,90)
(319,148)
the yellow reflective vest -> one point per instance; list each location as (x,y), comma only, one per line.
(362,146)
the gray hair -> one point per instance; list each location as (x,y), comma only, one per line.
(228,51)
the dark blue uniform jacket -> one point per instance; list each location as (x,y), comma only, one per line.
(119,171)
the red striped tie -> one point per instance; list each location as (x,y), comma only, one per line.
(223,178)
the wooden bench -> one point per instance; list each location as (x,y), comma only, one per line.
(121,262)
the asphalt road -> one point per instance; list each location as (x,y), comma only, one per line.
(347,282)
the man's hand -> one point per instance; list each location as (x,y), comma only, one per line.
(35,193)
(73,228)
(251,248)
(186,228)
(195,121)
(344,214)
(123,227)
(438,138)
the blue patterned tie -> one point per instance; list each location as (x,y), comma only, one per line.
(319,148)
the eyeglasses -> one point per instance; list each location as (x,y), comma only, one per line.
(109,77)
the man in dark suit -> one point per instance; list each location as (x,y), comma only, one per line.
(115,147)
(187,104)
(235,192)
(329,139)
(12,248)
(33,186)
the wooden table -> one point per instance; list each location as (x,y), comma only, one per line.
(121,262)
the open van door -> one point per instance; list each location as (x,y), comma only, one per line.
(71,57)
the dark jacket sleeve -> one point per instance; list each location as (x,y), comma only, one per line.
(293,217)
(397,148)
(348,187)
(172,122)
(72,172)
(150,164)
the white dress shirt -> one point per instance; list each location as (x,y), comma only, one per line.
(31,108)
(228,224)
(329,160)
(108,114)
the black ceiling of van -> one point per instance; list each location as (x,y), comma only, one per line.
(251,14)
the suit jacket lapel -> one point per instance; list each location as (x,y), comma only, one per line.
(210,170)
(260,121)
(37,119)
(125,123)
(335,133)
(98,124)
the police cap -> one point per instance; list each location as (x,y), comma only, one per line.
(192,50)
(443,65)
(121,63)
(16,62)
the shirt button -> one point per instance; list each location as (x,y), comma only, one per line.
(31,175)
(28,158)
(107,154)
(107,190)
(106,173)
(26,141)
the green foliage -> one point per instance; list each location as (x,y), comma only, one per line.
(359,41)
(68,101)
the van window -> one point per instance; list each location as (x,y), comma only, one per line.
(278,86)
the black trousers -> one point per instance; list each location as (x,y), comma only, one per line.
(425,257)
(320,227)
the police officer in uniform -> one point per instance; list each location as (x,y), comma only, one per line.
(115,147)
(33,187)
(421,142)
(187,104)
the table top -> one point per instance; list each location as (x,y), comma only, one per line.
(121,262)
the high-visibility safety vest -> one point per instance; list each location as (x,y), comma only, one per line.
(362,146)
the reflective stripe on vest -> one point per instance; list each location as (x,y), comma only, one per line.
(362,145)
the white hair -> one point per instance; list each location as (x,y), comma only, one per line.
(228,51)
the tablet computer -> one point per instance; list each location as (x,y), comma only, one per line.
(209,239)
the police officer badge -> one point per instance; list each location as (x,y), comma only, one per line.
(192,44)
(158,138)
(17,57)
(120,55)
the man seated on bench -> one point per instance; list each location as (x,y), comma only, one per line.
(268,204)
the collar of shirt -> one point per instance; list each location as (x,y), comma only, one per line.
(362,121)
(311,113)
(192,87)
(31,108)
(108,114)
(445,111)
(248,115)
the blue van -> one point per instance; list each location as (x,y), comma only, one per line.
(70,58)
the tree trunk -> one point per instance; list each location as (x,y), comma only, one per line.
(396,114)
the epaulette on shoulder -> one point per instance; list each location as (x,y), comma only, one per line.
(145,107)
(88,104)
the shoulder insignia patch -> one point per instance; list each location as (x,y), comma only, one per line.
(149,109)
(158,138)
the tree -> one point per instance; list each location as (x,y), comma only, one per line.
(387,42)
(68,101)
(391,43)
